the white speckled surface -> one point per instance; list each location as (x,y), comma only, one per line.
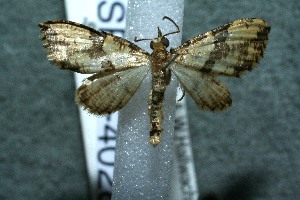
(142,171)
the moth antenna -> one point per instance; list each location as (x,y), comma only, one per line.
(177,27)
(137,40)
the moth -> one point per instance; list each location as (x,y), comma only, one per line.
(118,66)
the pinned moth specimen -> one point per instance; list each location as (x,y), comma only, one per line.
(119,66)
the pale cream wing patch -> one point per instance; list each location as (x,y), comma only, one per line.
(104,94)
(82,49)
(228,50)
(207,92)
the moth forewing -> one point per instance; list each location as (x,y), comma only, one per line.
(228,50)
(79,48)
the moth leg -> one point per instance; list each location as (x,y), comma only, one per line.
(183,94)
(171,60)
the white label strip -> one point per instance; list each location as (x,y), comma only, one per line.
(184,184)
(98,132)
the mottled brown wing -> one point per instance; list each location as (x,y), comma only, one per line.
(119,65)
(207,92)
(82,49)
(228,50)
(104,94)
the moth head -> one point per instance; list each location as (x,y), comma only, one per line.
(161,41)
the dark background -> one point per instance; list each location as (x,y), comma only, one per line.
(251,151)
